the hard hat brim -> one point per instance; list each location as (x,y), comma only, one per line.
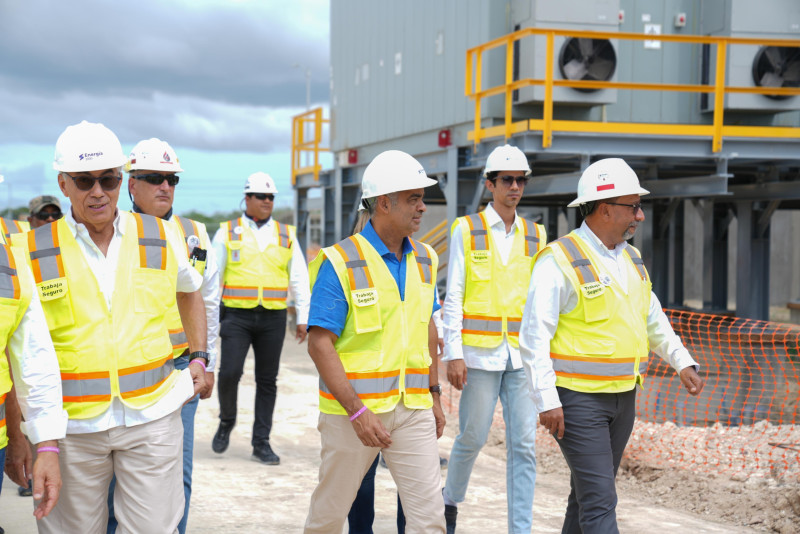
(602,196)
(416,183)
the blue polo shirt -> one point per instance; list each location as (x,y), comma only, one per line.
(329,306)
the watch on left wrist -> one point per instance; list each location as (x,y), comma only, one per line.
(199,354)
(436,389)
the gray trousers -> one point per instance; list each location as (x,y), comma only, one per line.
(597,428)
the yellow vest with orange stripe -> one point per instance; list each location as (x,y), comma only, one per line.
(124,352)
(256,277)
(494,294)
(384,344)
(15,296)
(186,228)
(10,226)
(601,346)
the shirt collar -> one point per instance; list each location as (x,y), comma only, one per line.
(598,245)
(493,218)
(252,224)
(375,240)
(80,229)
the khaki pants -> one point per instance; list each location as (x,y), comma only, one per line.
(148,462)
(413,460)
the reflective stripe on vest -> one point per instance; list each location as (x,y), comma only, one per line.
(369,385)
(45,253)
(531,238)
(232,234)
(2,410)
(482,325)
(357,269)
(283,235)
(418,381)
(478,232)
(9,282)
(152,243)
(10,226)
(178,339)
(135,381)
(582,265)
(423,262)
(239,292)
(189,229)
(592,368)
(637,261)
(86,387)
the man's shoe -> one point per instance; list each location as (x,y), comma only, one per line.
(222,438)
(450,513)
(25,491)
(262,452)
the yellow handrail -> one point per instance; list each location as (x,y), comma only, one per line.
(437,238)
(547,125)
(301,145)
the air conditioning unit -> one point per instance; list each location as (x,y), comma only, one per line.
(754,65)
(574,58)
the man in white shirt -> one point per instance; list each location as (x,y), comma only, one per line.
(107,278)
(491,257)
(590,322)
(259,261)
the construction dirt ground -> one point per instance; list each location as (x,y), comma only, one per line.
(234,494)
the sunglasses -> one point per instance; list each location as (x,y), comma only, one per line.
(509,180)
(44,215)
(636,207)
(262,196)
(86,183)
(158,179)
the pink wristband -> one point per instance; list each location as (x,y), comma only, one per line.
(48,449)
(198,360)
(359,412)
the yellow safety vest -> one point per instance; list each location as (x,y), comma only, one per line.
(11,226)
(494,294)
(187,228)
(384,344)
(601,346)
(256,277)
(124,352)
(15,296)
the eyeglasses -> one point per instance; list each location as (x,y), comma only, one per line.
(509,180)
(636,207)
(158,179)
(262,196)
(44,215)
(86,183)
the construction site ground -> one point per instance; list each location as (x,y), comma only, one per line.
(234,494)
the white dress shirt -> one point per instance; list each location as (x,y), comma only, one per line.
(494,359)
(37,378)
(211,294)
(551,294)
(104,269)
(298,271)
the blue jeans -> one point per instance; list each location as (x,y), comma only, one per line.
(475,411)
(187,416)
(2,466)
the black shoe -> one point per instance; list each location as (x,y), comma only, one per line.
(262,452)
(222,438)
(25,491)
(442,462)
(450,513)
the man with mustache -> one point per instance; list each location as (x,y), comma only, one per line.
(589,324)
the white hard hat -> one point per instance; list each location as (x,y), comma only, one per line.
(153,155)
(607,178)
(260,182)
(86,147)
(393,171)
(507,158)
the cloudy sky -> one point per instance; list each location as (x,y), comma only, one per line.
(218,79)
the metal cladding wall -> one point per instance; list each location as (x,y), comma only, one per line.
(397,68)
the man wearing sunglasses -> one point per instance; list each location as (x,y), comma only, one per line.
(44,209)
(153,169)
(590,322)
(107,279)
(259,259)
(491,258)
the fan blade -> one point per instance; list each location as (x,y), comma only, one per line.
(575,70)
(602,69)
(770,79)
(775,57)
(791,74)
(587,47)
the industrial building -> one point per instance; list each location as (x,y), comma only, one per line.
(700,97)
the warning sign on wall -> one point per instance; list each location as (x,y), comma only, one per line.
(652,29)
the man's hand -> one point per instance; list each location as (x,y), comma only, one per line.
(438,415)
(300,333)
(457,374)
(19,459)
(198,379)
(440,346)
(692,381)
(370,430)
(553,421)
(46,481)
(209,385)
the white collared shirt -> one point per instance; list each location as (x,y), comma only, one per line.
(551,294)
(37,378)
(104,269)
(298,270)
(211,294)
(494,359)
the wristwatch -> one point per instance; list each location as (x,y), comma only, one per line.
(436,389)
(199,354)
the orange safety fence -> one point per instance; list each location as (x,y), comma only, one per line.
(745,422)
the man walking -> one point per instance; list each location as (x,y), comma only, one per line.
(590,322)
(259,259)
(107,279)
(491,258)
(371,337)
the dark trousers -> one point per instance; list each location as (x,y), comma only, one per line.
(597,428)
(362,512)
(264,330)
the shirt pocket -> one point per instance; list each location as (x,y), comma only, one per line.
(480,265)
(360,362)
(152,291)
(366,311)
(234,251)
(56,303)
